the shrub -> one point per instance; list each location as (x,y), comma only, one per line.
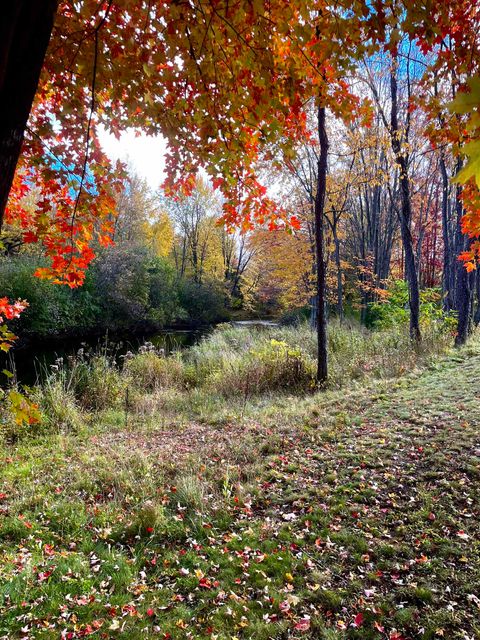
(59,408)
(391,311)
(283,366)
(52,309)
(127,286)
(248,360)
(204,303)
(122,279)
(97,384)
(93,380)
(164,303)
(229,363)
(151,370)
(19,412)
(215,352)
(272,366)
(394,310)
(295,317)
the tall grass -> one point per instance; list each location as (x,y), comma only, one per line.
(150,370)
(262,356)
(238,361)
(230,366)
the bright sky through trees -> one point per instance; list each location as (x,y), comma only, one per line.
(144,153)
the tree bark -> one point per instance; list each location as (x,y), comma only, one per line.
(322,360)
(410,265)
(464,299)
(25,30)
(401,157)
(448,301)
(476,318)
(338,265)
(463,282)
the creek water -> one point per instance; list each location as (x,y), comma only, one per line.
(33,362)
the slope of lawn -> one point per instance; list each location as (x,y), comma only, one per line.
(353,513)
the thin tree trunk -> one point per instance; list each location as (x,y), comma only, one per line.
(448,302)
(322,361)
(338,265)
(313,312)
(476,318)
(401,158)
(410,267)
(25,30)
(464,282)
(313,297)
(464,305)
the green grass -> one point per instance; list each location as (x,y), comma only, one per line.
(347,514)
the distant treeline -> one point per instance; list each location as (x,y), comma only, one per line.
(126,289)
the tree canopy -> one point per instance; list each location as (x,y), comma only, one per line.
(228,85)
(232,87)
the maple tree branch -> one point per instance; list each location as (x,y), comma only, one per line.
(205,34)
(147,21)
(89,126)
(86,33)
(54,155)
(235,31)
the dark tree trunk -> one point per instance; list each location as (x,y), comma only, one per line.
(476,318)
(464,281)
(464,299)
(410,266)
(338,265)
(313,250)
(401,158)
(322,364)
(313,312)
(448,301)
(25,30)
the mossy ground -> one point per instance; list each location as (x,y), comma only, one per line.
(346,514)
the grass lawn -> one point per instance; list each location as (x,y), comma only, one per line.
(352,513)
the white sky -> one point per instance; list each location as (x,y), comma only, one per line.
(146,154)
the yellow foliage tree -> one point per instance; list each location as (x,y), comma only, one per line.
(159,234)
(282,262)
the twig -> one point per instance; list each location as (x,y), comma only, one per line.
(89,124)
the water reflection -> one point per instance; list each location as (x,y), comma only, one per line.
(32,363)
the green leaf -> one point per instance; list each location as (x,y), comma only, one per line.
(472,168)
(467,102)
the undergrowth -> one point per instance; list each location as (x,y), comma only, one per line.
(228,372)
(179,508)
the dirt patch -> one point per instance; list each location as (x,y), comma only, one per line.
(179,444)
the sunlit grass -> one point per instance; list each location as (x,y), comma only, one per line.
(205,516)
